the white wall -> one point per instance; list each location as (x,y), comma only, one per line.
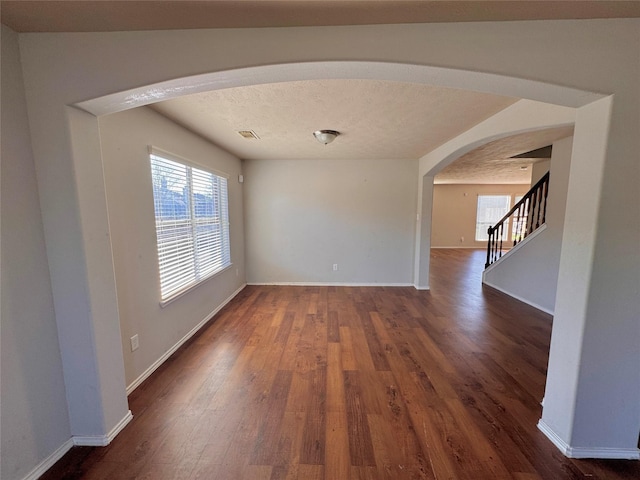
(531,272)
(586,406)
(538,170)
(34,419)
(455,209)
(595,343)
(303,216)
(607,424)
(125,137)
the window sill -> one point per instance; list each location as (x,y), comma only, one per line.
(181,293)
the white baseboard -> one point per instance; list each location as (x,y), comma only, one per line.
(605,453)
(78,440)
(418,287)
(323,284)
(329,284)
(529,238)
(553,436)
(587,452)
(102,440)
(50,461)
(155,365)
(518,297)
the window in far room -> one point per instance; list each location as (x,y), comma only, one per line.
(192,224)
(491,208)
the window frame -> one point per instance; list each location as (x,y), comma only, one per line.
(190,224)
(506,233)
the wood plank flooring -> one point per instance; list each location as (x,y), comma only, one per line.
(350,383)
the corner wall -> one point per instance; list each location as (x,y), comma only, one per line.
(34,419)
(531,273)
(125,138)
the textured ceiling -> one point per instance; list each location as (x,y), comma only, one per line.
(377,119)
(88,16)
(491,163)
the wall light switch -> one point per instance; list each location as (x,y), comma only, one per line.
(135,342)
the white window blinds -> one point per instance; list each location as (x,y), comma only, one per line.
(192,224)
(491,208)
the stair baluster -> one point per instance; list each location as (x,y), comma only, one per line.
(529,213)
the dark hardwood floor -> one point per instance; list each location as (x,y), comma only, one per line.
(350,383)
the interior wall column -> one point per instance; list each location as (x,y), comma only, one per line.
(73,202)
(592,398)
(423,240)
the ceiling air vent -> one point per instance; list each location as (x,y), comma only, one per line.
(249,134)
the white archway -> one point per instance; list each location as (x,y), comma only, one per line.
(524,116)
(388,71)
(85,148)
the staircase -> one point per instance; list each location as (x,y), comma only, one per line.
(524,218)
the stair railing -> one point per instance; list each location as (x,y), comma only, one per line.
(525,217)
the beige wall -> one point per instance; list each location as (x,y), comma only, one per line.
(303,216)
(454,212)
(125,139)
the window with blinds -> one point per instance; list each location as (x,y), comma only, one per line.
(491,208)
(192,224)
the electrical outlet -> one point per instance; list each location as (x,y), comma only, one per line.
(335,267)
(135,342)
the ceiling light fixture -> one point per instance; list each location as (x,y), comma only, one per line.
(325,136)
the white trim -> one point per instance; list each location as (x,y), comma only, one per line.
(50,461)
(329,284)
(518,297)
(358,69)
(332,284)
(159,152)
(102,440)
(154,366)
(608,453)
(477,247)
(587,452)
(530,237)
(553,436)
